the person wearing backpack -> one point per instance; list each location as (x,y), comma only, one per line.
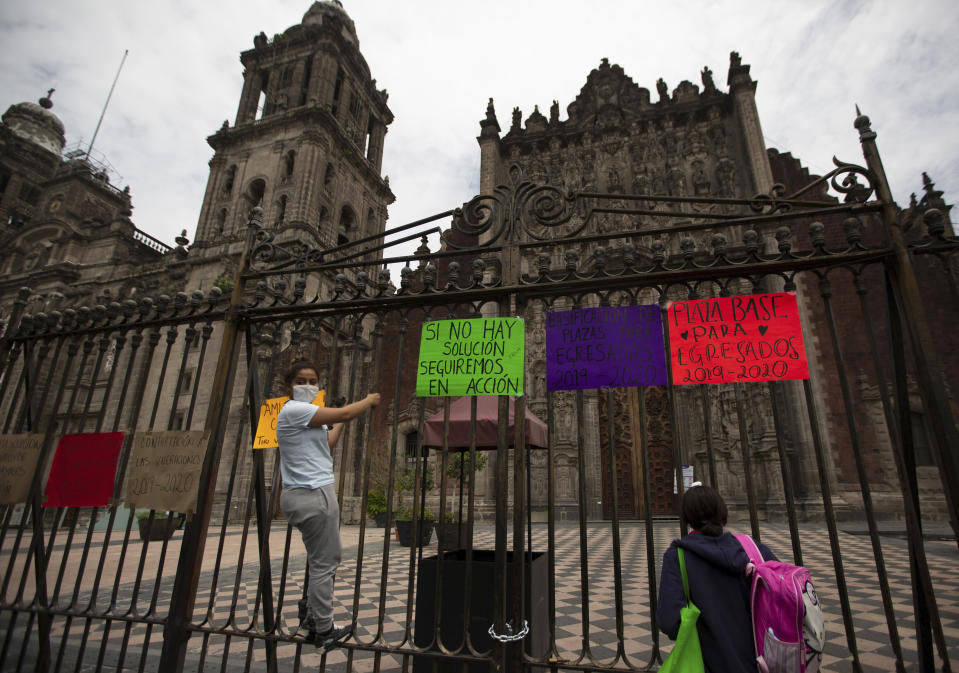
(718,585)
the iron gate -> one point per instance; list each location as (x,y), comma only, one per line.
(81,592)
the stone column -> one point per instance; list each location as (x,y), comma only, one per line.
(489,143)
(743,90)
(296,88)
(323,79)
(212,183)
(304,207)
(238,214)
(375,151)
(246,111)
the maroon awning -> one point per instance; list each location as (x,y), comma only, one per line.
(487,425)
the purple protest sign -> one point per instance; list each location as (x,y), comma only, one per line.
(605,347)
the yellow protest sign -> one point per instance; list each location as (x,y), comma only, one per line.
(269,412)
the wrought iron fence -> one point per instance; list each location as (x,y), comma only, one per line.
(576,588)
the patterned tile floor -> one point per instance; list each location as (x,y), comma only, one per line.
(234,602)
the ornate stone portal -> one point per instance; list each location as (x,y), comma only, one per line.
(617,140)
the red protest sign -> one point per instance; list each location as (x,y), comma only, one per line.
(84,469)
(754,337)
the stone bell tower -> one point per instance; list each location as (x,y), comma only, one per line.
(307,143)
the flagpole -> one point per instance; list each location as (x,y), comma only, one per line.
(109,96)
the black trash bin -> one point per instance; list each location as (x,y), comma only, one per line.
(453,606)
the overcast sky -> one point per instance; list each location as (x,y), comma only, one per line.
(441,60)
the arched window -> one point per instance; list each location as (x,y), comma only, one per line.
(230,177)
(347,225)
(307,74)
(263,105)
(220,222)
(370,225)
(289,160)
(368,137)
(412,438)
(256,191)
(281,209)
(337,88)
(328,176)
(356,107)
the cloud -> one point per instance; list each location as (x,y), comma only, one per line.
(441,61)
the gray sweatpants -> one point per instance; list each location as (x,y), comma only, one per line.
(317,516)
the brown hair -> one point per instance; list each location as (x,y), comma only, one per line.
(295,369)
(705,510)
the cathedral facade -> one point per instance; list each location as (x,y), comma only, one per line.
(306,148)
(620,138)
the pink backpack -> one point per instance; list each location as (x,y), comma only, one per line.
(788,627)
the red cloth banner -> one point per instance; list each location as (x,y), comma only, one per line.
(754,337)
(84,470)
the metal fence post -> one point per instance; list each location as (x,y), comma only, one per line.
(175,633)
(908,299)
(13,322)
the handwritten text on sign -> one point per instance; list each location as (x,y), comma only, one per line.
(84,470)
(164,470)
(605,347)
(749,338)
(18,461)
(480,356)
(269,411)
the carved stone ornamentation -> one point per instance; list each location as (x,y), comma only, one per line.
(707,75)
(641,184)
(726,178)
(663,90)
(686,91)
(677,182)
(536,122)
(614,183)
(700,181)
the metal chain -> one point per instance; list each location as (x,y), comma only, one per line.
(509,636)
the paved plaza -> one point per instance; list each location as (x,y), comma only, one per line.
(232,602)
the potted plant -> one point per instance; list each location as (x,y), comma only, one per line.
(162,527)
(405,487)
(378,482)
(376,506)
(404,527)
(452,532)
(449,533)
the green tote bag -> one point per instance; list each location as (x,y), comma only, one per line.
(687,656)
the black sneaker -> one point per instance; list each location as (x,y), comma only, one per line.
(329,639)
(308,625)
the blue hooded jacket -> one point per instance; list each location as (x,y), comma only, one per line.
(718,586)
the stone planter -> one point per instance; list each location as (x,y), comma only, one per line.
(162,528)
(451,535)
(404,533)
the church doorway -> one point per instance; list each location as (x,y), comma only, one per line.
(640,416)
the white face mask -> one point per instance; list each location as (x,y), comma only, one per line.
(305,393)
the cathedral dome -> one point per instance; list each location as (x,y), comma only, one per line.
(331,11)
(36,124)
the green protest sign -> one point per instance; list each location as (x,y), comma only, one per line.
(480,356)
